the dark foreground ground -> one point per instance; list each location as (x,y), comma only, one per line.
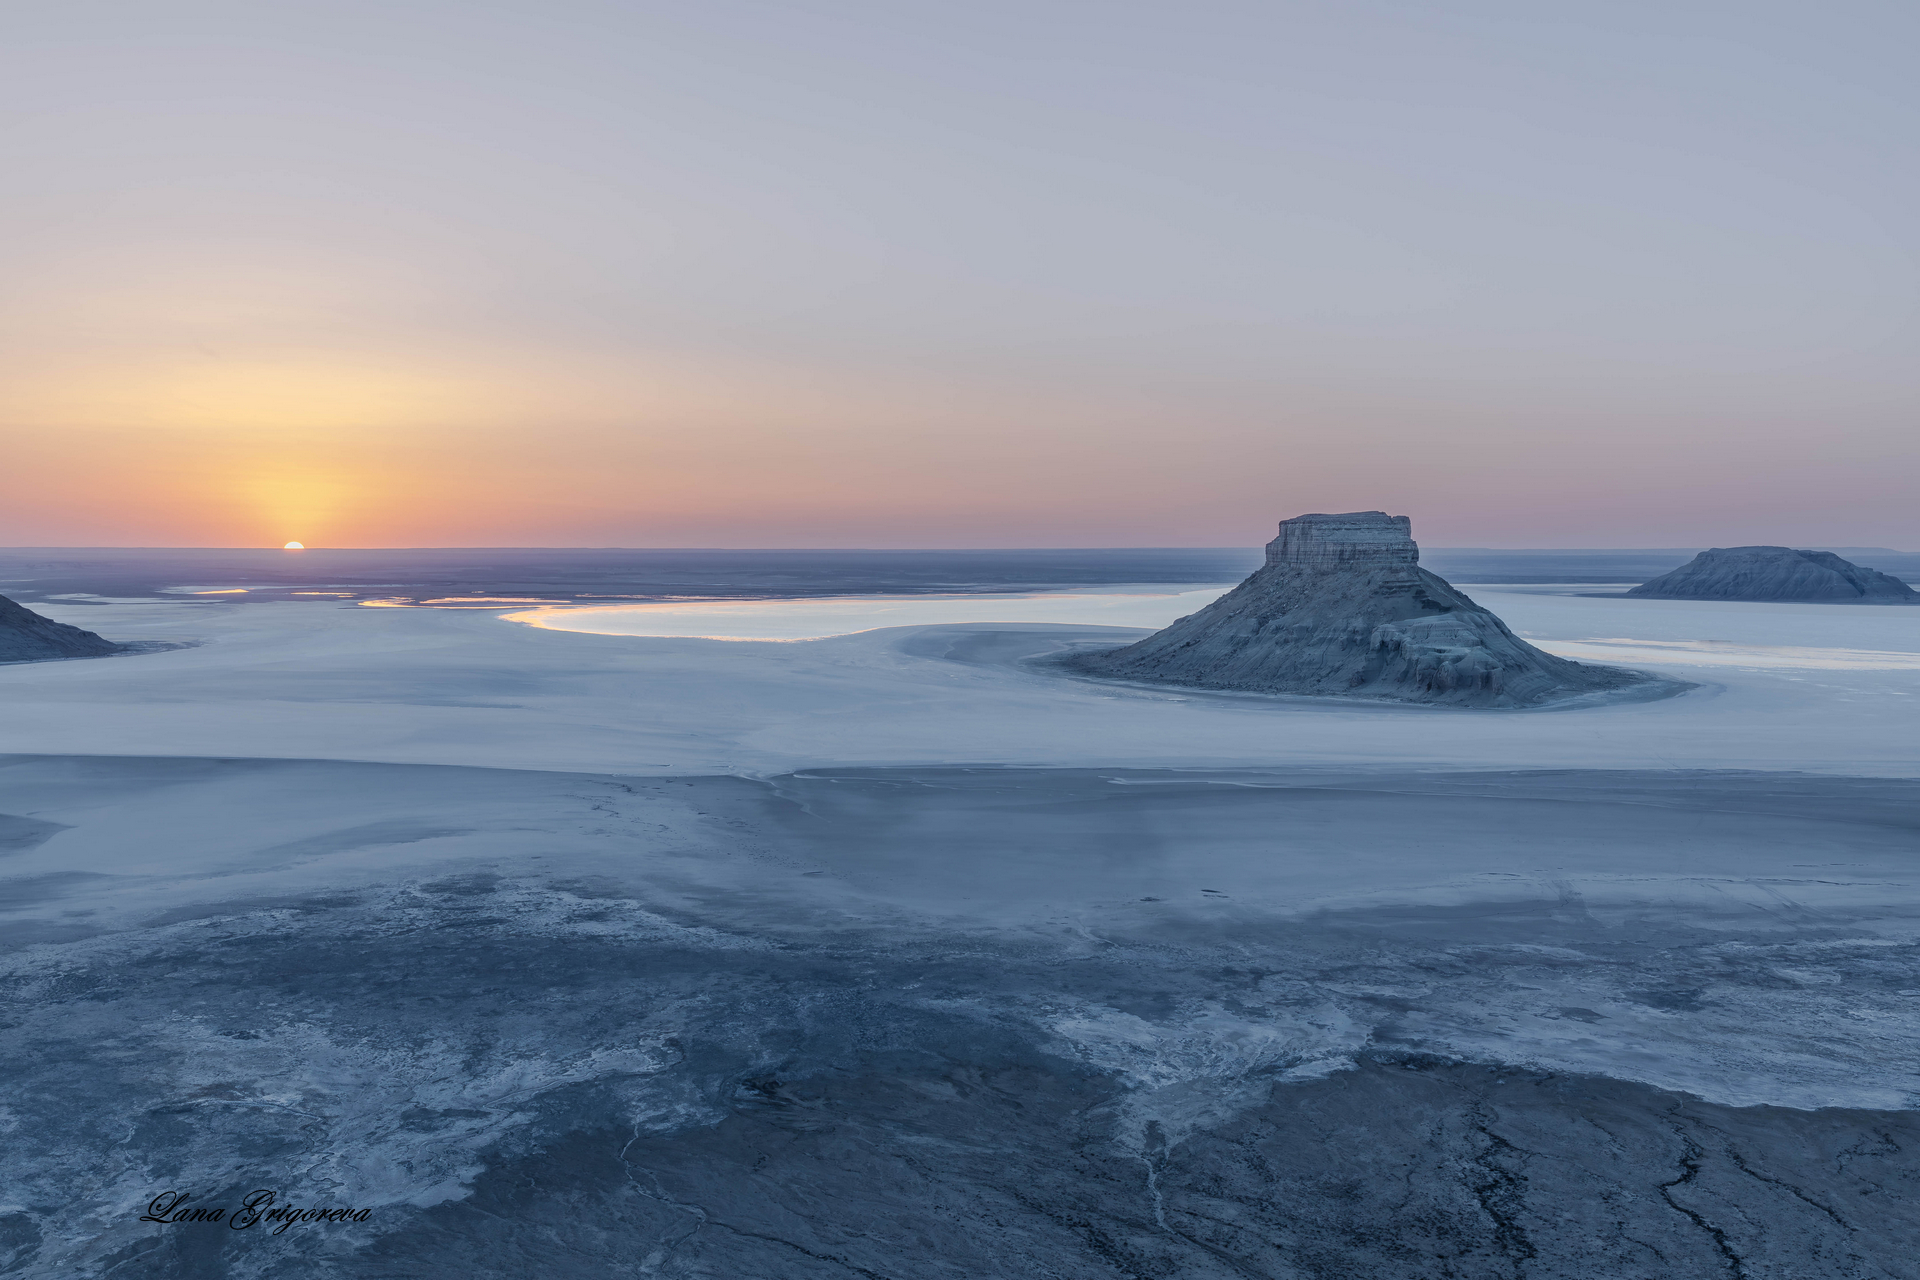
(944,1162)
(569,1025)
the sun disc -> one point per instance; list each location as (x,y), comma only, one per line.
(293,546)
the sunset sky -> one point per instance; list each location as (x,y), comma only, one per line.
(1034,273)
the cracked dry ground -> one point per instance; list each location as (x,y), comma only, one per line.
(1402,1168)
(791,1112)
(1399,1169)
(576,1077)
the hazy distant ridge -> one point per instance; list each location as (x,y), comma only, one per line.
(37,573)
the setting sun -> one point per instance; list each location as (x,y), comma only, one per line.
(294,546)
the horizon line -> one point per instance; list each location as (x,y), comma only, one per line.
(1247,547)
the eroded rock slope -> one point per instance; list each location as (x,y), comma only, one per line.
(25,636)
(1343,608)
(1777,573)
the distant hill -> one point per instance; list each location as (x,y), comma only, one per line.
(1777,573)
(1636,564)
(25,636)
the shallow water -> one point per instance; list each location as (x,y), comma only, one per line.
(818,619)
(1682,637)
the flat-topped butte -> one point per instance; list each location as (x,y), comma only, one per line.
(1342,608)
(1777,573)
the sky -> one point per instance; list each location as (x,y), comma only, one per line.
(1036,273)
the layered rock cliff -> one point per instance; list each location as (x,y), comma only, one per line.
(1777,573)
(25,636)
(1342,608)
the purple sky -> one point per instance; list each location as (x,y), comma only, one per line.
(908,274)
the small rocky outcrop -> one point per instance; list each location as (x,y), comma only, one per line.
(25,636)
(1776,573)
(1342,608)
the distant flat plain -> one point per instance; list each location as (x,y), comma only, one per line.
(31,573)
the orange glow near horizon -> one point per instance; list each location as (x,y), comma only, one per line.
(776,276)
(444,445)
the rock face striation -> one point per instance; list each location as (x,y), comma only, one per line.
(25,636)
(1343,608)
(1776,573)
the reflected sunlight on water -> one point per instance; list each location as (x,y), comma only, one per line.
(817,619)
(1150,606)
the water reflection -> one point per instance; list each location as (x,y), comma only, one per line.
(1149,606)
(819,618)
